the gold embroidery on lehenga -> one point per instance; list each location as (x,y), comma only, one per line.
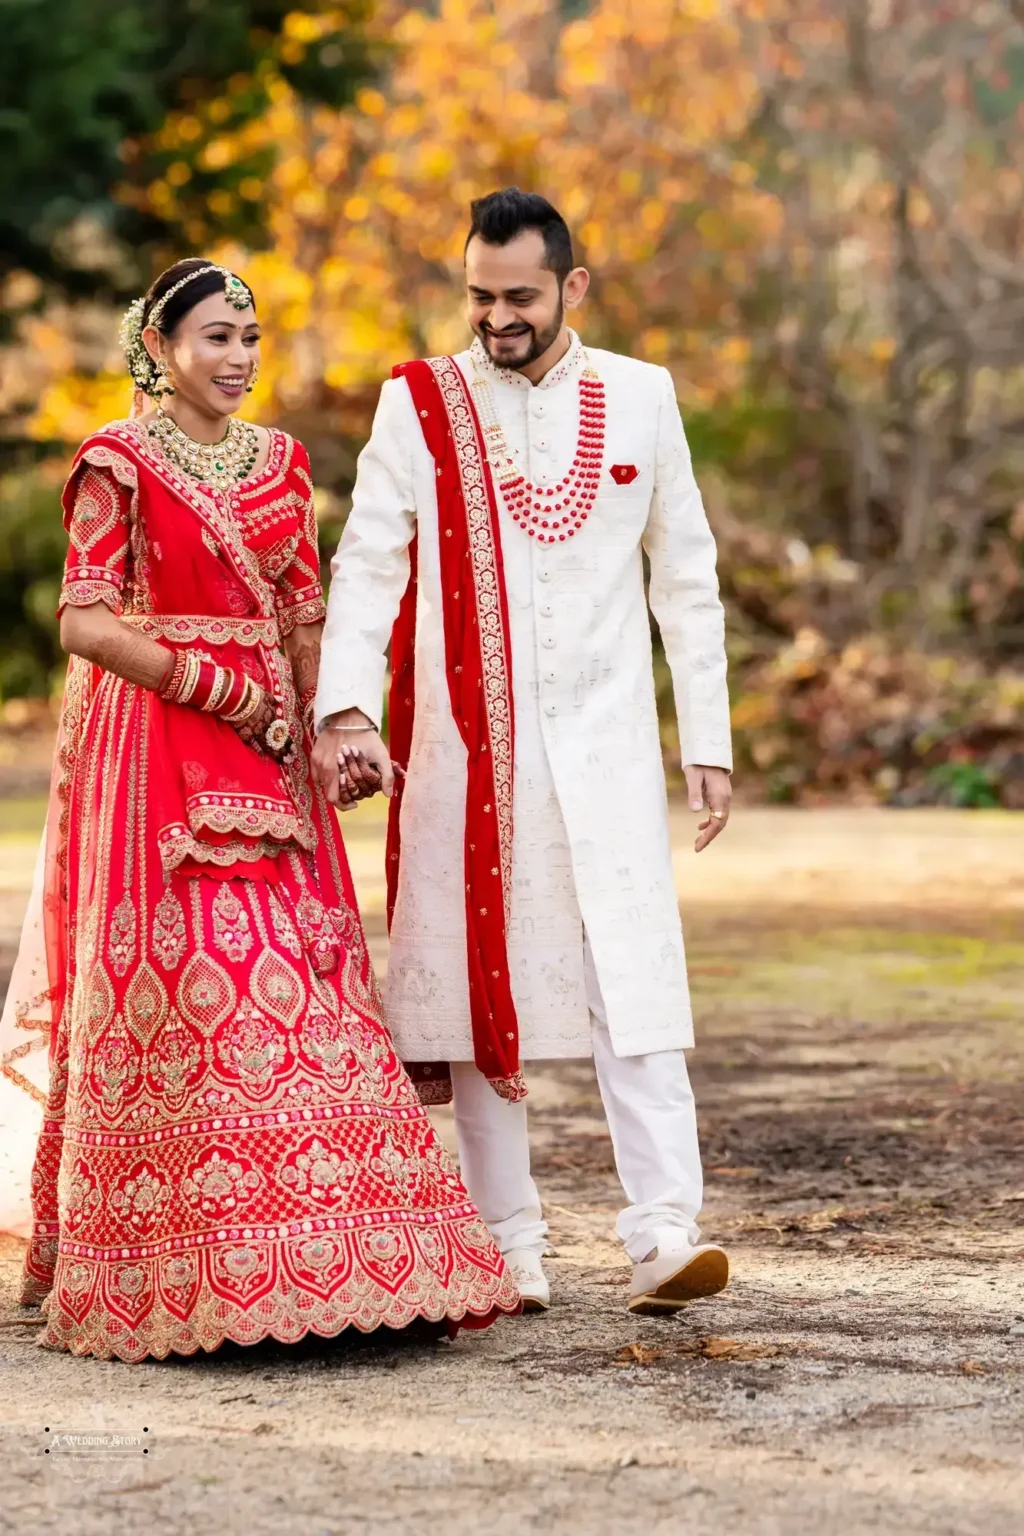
(232,931)
(276,988)
(145,1003)
(139,1197)
(121,943)
(168,941)
(220,1183)
(175,1060)
(316,1169)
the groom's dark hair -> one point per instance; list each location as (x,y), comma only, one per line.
(501,216)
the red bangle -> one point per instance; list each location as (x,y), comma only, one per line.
(234,693)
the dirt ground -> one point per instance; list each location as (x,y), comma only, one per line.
(859,979)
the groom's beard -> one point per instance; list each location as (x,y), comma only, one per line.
(518,346)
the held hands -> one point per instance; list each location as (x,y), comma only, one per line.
(710,789)
(351,762)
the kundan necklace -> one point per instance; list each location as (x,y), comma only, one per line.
(220,465)
(549,514)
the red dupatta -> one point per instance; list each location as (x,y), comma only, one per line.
(478,663)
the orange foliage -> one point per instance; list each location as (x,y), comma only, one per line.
(626,119)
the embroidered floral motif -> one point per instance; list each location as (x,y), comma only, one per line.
(391,1164)
(232,931)
(196,775)
(79,1198)
(318,1170)
(121,943)
(220,1183)
(252,1048)
(139,1198)
(318,936)
(174,1062)
(325,1041)
(168,931)
(115,1067)
(284,928)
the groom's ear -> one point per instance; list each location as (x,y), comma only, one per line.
(574,289)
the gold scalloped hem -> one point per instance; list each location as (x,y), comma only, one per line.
(255,816)
(284,1317)
(181,845)
(219,629)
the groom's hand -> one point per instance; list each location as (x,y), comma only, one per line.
(344,736)
(708,789)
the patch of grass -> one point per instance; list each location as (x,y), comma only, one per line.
(21,815)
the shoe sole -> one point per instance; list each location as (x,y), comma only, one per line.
(534,1304)
(705,1275)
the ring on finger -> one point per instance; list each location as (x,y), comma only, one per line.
(719,815)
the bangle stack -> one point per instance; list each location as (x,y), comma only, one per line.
(216,690)
(232,695)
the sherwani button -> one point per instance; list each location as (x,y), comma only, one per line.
(549,709)
(548,642)
(547,610)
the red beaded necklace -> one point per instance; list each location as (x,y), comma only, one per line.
(535,509)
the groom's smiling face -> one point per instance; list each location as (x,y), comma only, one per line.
(515,300)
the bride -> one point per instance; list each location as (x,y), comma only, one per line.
(230,1148)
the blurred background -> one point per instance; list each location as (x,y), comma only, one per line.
(811,211)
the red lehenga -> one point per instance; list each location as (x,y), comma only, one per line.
(230,1148)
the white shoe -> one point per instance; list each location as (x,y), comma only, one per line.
(678,1275)
(529,1276)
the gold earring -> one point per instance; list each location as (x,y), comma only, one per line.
(163,384)
(252,378)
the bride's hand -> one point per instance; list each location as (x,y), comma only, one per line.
(254,730)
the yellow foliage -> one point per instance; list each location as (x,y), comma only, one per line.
(623,118)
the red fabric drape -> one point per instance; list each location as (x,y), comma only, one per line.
(478,663)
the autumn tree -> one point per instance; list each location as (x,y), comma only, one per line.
(892,142)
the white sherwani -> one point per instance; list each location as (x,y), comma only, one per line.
(591,840)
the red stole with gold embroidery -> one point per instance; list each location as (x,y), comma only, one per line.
(478,662)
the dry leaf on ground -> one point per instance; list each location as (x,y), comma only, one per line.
(638,1354)
(735,1349)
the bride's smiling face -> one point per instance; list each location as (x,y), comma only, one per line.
(211,355)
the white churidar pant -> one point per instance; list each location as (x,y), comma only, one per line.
(652,1118)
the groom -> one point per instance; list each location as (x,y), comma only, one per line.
(499,519)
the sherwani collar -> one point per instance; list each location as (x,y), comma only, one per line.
(567,368)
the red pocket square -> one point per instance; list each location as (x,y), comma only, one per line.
(624,474)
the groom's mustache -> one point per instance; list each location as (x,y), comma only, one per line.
(509,331)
